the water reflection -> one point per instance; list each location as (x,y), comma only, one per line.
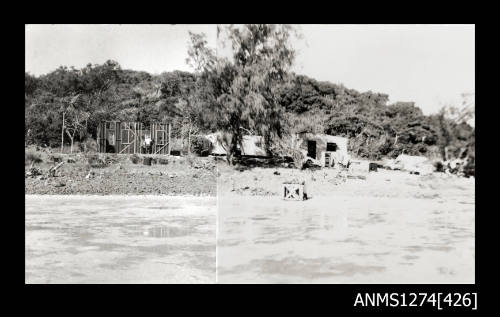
(167,232)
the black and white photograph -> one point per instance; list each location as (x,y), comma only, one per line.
(250,154)
(120,187)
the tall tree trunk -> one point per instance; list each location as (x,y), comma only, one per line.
(71,137)
(62,134)
(267,143)
(233,149)
(189,139)
(85,134)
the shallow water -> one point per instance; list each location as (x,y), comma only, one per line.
(168,232)
(345,239)
(120,239)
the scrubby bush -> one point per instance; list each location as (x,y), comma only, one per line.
(375,127)
(438,166)
(469,168)
(56,158)
(134,158)
(201,146)
(32,157)
(287,151)
(88,146)
(111,158)
(96,161)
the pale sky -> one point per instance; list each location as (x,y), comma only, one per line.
(428,64)
(151,48)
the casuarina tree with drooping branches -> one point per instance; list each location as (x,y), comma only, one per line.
(245,86)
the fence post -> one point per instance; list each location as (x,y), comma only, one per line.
(169,144)
(62,134)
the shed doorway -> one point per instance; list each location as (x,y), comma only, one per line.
(311,149)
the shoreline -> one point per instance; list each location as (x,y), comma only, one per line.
(119,195)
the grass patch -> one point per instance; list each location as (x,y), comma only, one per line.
(32,157)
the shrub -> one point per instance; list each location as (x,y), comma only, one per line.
(470,168)
(438,167)
(96,162)
(111,158)
(55,158)
(88,146)
(32,157)
(134,158)
(201,146)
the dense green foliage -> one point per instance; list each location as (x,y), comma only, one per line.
(375,128)
(253,91)
(105,92)
(371,124)
(240,93)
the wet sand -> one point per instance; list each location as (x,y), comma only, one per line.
(120,239)
(359,233)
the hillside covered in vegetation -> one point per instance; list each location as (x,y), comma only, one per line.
(106,92)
